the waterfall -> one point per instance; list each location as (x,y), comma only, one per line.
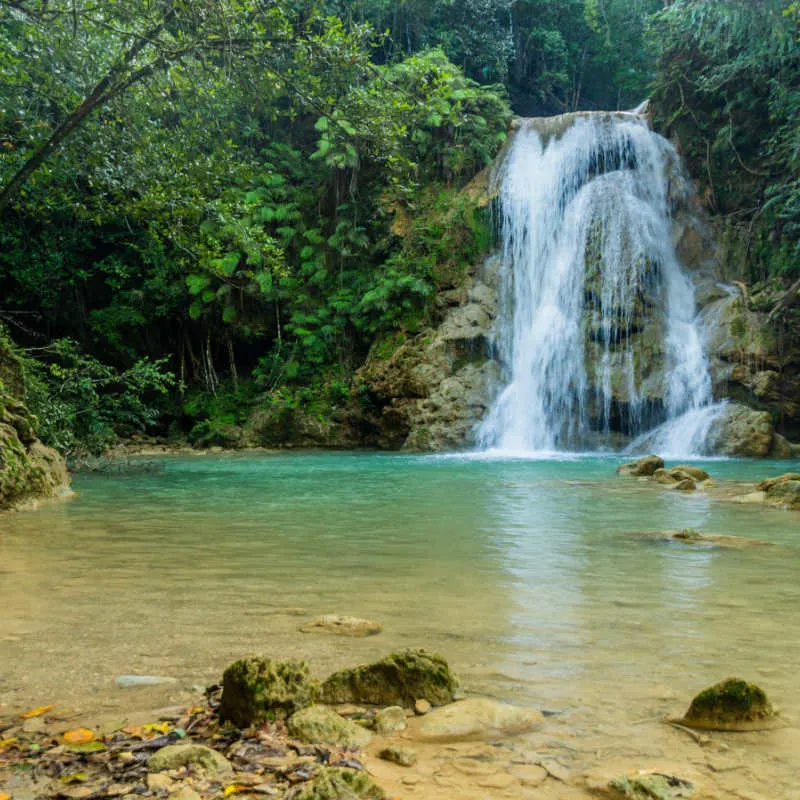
(597,332)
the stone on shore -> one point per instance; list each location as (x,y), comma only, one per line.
(176,756)
(475,718)
(341,784)
(422,707)
(342,626)
(403,756)
(644,467)
(257,689)
(322,725)
(390,720)
(650,786)
(731,705)
(401,678)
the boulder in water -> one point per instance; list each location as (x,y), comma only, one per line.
(784,492)
(740,431)
(321,725)
(731,705)
(475,718)
(685,485)
(644,467)
(401,678)
(695,473)
(257,689)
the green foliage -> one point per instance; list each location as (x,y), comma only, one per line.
(728,87)
(82,405)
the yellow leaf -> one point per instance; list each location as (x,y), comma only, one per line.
(79,736)
(237,788)
(7,742)
(36,712)
(5,797)
(158,727)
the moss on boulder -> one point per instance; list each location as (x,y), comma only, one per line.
(257,689)
(341,784)
(731,705)
(401,678)
(651,786)
(322,725)
(176,756)
(644,467)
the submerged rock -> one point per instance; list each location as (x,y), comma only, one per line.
(651,786)
(404,756)
(688,535)
(475,718)
(341,784)
(400,678)
(686,485)
(731,705)
(257,689)
(133,681)
(321,725)
(342,626)
(181,755)
(782,492)
(390,720)
(644,467)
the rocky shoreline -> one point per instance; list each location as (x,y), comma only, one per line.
(270,730)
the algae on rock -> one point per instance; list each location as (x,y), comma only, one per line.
(400,678)
(336,783)
(257,689)
(322,725)
(731,705)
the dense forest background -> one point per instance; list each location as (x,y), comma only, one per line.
(207,205)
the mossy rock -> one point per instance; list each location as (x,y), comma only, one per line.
(176,756)
(651,786)
(731,705)
(644,467)
(341,784)
(400,678)
(258,689)
(321,725)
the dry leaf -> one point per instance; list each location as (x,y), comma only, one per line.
(36,712)
(79,736)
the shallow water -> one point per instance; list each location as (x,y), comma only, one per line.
(530,576)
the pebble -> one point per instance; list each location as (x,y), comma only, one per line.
(422,707)
(156,781)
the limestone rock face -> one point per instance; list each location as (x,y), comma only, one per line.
(257,689)
(322,725)
(429,392)
(476,718)
(731,705)
(29,471)
(400,678)
(742,432)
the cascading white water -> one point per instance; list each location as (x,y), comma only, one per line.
(597,330)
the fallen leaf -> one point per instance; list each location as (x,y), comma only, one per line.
(87,747)
(5,797)
(79,736)
(78,777)
(7,742)
(237,788)
(36,712)
(158,727)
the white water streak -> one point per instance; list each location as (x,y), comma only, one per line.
(588,262)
